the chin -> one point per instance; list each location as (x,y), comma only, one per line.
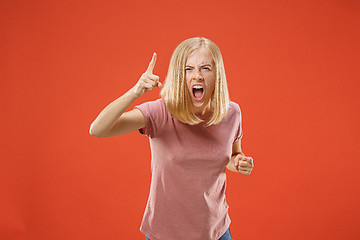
(200,105)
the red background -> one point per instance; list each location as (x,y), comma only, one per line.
(293,67)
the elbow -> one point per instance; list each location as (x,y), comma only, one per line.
(94,133)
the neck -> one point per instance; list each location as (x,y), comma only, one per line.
(203,112)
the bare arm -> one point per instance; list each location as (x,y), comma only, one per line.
(113,120)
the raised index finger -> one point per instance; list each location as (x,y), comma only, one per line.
(152,64)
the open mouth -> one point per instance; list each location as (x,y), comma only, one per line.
(198,92)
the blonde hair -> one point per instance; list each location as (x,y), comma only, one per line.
(175,94)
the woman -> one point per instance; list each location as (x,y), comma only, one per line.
(194,132)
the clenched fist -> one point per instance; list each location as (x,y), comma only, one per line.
(244,164)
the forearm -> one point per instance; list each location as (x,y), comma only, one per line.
(107,118)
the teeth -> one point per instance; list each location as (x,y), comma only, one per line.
(197,87)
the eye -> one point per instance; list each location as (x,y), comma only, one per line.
(187,69)
(206,68)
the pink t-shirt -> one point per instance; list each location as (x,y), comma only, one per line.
(187,192)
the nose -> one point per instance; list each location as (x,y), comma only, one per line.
(197,75)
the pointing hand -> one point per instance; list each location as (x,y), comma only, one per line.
(148,80)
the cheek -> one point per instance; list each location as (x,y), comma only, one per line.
(188,83)
(212,89)
(211,84)
(187,80)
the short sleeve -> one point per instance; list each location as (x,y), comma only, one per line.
(154,113)
(239,131)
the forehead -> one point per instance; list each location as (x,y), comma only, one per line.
(200,56)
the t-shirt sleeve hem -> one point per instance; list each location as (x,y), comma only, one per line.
(239,133)
(143,130)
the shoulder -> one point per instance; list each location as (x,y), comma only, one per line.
(157,102)
(233,114)
(234,105)
(155,116)
(154,110)
(234,108)
(152,106)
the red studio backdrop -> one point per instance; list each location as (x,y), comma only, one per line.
(292,66)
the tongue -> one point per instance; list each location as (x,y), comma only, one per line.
(198,93)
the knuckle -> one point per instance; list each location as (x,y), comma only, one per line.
(154,77)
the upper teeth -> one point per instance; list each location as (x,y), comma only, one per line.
(197,87)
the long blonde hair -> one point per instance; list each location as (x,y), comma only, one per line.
(175,94)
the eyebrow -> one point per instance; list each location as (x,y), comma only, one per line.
(202,65)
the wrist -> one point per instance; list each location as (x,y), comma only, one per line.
(235,154)
(134,92)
